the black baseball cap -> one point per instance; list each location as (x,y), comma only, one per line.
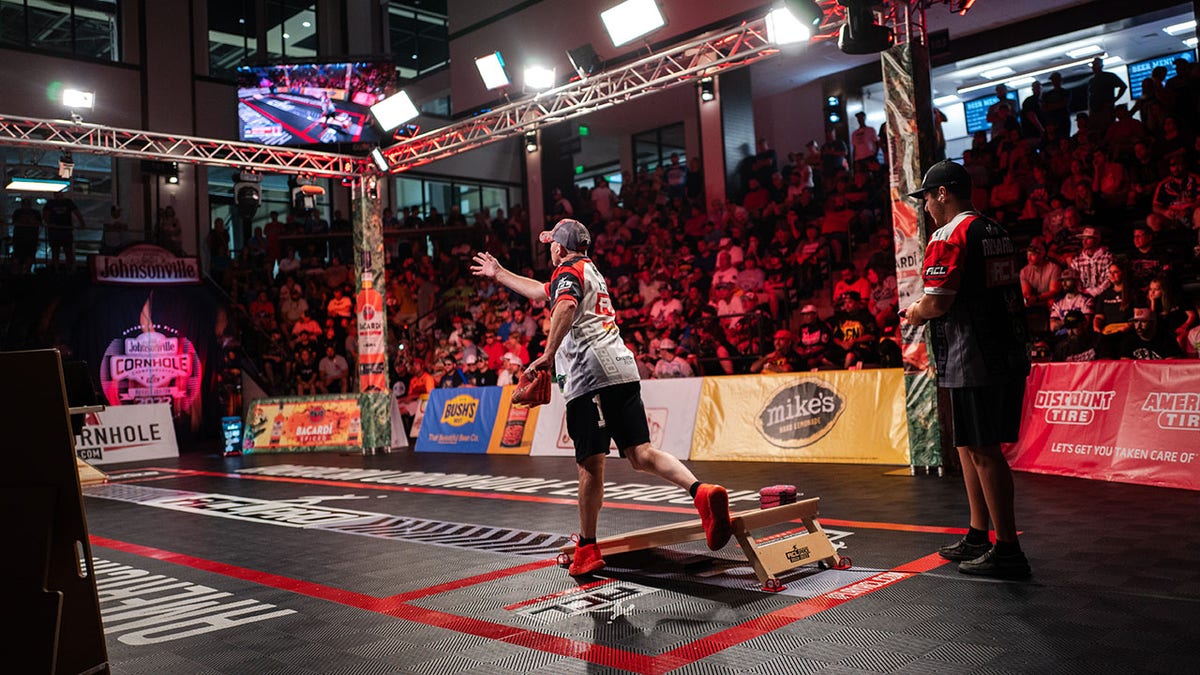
(943,174)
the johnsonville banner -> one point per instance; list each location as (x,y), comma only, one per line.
(1125,421)
(145,264)
(851,416)
(303,424)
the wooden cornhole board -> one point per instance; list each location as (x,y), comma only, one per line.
(771,556)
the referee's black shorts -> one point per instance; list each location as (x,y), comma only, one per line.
(987,415)
(614,413)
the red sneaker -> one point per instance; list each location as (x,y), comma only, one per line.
(712,501)
(586,560)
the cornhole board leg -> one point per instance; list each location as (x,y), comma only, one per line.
(770,558)
(775,555)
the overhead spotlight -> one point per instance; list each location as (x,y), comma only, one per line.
(531,141)
(247,193)
(406,131)
(860,34)
(394,110)
(584,60)
(491,69)
(631,19)
(539,77)
(793,21)
(304,193)
(381,162)
(173,174)
(66,165)
(77,99)
(707,89)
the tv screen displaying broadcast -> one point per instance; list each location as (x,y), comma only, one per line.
(312,103)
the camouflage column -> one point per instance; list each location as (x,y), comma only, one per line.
(374,403)
(910,151)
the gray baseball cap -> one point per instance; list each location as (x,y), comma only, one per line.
(571,234)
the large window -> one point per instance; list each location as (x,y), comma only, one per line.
(655,147)
(291,30)
(86,28)
(232,36)
(443,195)
(417,34)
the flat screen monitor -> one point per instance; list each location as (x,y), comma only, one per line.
(976,110)
(313,104)
(1138,71)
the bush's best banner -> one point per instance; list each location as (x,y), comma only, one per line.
(303,424)
(854,416)
(1127,421)
(513,431)
(670,412)
(459,420)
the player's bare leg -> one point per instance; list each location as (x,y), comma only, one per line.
(712,501)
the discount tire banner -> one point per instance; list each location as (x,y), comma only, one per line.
(854,416)
(1126,421)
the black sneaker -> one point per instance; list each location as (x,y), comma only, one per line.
(1002,566)
(964,550)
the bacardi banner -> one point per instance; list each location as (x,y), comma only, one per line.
(127,433)
(459,420)
(303,424)
(846,416)
(1127,421)
(670,412)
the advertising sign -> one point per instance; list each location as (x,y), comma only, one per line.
(127,433)
(151,363)
(854,416)
(513,432)
(670,412)
(459,420)
(145,264)
(303,424)
(1126,421)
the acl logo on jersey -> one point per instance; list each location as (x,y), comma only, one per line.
(936,271)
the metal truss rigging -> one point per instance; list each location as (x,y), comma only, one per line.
(678,65)
(101,140)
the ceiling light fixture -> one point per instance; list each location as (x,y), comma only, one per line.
(631,20)
(1032,73)
(1179,28)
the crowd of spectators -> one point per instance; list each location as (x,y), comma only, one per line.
(797,272)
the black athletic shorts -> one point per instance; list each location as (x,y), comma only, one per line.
(987,415)
(613,413)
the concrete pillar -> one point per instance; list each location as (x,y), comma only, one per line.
(712,144)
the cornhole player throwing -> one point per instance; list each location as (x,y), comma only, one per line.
(599,379)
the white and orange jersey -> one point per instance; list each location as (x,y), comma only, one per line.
(592,355)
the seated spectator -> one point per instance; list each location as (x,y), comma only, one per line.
(1172,318)
(849,280)
(729,306)
(1147,260)
(307,327)
(884,299)
(1079,344)
(1071,298)
(1093,263)
(1114,309)
(710,346)
(855,331)
(783,358)
(477,372)
(665,305)
(1144,177)
(335,372)
(1039,277)
(1110,183)
(510,371)
(451,375)
(1176,199)
(1148,340)
(308,378)
(669,364)
(340,306)
(816,347)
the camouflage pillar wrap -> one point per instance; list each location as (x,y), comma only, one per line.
(371,320)
(910,151)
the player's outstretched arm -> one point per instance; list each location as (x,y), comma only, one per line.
(487,266)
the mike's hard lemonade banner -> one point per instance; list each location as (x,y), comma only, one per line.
(303,424)
(852,416)
(1127,421)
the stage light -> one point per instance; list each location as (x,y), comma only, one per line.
(584,60)
(18,184)
(531,142)
(793,21)
(381,162)
(66,165)
(77,99)
(860,34)
(173,173)
(539,77)
(304,193)
(491,69)
(631,19)
(707,89)
(394,110)
(247,194)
